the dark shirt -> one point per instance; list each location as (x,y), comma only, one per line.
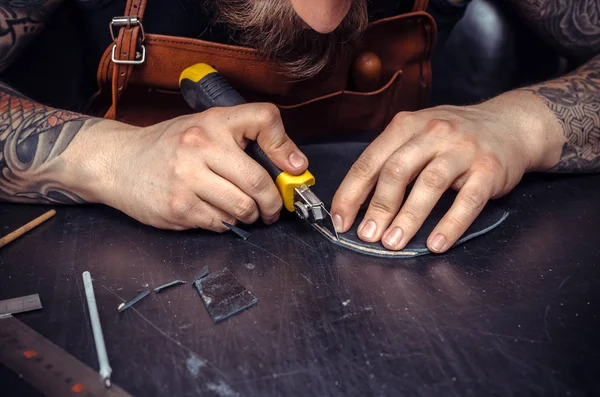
(59,67)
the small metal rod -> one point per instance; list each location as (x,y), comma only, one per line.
(105,369)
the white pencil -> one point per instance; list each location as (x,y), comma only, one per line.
(105,370)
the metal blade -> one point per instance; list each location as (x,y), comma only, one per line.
(330,218)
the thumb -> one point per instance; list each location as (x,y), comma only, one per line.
(262,122)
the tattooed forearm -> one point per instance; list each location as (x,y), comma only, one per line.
(571,26)
(20,21)
(32,138)
(575,100)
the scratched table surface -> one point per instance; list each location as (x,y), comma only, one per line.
(513,312)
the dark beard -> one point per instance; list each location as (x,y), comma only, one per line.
(273,28)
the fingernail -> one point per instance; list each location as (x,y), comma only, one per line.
(438,242)
(393,238)
(338,223)
(296,160)
(368,229)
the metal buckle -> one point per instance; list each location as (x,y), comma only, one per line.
(132,62)
(127,22)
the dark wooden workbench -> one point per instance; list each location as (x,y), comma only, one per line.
(514,312)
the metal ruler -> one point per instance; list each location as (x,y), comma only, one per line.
(47,367)
(21,304)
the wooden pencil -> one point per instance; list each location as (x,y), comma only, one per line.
(24,229)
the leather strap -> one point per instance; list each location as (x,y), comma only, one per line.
(489,218)
(126,49)
(420,5)
(309,107)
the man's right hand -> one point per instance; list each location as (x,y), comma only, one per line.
(192,171)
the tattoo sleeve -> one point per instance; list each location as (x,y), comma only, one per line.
(573,28)
(20,21)
(32,138)
(570,26)
(575,101)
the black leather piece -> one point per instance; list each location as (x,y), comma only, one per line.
(329,164)
(491,217)
(223,295)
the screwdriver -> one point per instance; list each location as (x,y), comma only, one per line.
(203,88)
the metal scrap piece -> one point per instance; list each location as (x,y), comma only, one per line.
(168,285)
(223,295)
(125,306)
(20,304)
(241,233)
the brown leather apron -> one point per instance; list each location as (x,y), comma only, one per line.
(139,72)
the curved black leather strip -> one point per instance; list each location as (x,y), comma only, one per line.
(330,163)
(417,246)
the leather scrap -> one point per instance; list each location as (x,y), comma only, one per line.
(168,285)
(139,297)
(223,295)
(239,232)
(203,273)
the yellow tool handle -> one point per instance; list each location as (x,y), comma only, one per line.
(203,88)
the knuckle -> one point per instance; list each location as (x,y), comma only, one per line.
(273,209)
(492,164)
(434,179)
(179,172)
(245,209)
(441,128)
(345,201)
(257,183)
(381,207)
(363,168)
(395,170)
(473,200)
(402,118)
(192,137)
(456,223)
(177,207)
(276,141)
(179,168)
(268,114)
(410,213)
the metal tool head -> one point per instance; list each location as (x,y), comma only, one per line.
(310,208)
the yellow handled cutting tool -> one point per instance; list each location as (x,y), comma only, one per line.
(203,87)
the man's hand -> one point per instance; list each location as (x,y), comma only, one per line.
(192,172)
(476,150)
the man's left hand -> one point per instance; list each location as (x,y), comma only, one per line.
(476,150)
